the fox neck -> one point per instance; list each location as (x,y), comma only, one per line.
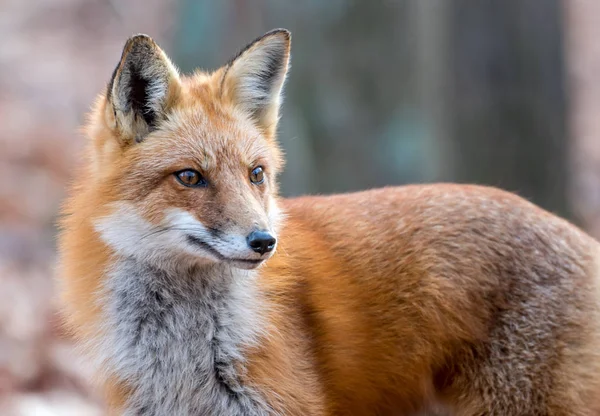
(179,338)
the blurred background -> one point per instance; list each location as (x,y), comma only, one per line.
(386,92)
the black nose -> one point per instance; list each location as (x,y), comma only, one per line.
(261,241)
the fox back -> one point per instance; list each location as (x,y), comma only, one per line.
(194,289)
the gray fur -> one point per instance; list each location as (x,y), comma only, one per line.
(176,337)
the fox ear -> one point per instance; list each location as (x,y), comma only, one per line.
(143,86)
(253,80)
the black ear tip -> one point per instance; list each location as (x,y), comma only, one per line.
(279,32)
(140,37)
(137,41)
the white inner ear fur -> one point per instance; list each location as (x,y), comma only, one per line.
(159,72)
(254,80)
(142,84)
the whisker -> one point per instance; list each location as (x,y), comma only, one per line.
(165,229)
(154,231)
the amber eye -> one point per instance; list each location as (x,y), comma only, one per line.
(257,176)
(191,178)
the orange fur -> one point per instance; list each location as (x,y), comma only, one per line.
(378,302)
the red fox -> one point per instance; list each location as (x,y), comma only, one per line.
(195,290)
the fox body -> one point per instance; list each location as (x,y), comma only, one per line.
(195,290)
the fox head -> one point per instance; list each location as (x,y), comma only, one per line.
(186,166)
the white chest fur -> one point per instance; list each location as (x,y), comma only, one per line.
(178,339)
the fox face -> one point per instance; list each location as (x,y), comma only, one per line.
(188,166)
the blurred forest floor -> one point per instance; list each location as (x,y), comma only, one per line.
(55,57)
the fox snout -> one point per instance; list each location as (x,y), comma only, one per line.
(246,246)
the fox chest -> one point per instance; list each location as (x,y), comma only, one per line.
(180,342)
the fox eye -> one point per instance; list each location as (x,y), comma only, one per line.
(257,176)
(191,178)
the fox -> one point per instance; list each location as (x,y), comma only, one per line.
(192,288)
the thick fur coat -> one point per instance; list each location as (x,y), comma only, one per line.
(384,302)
